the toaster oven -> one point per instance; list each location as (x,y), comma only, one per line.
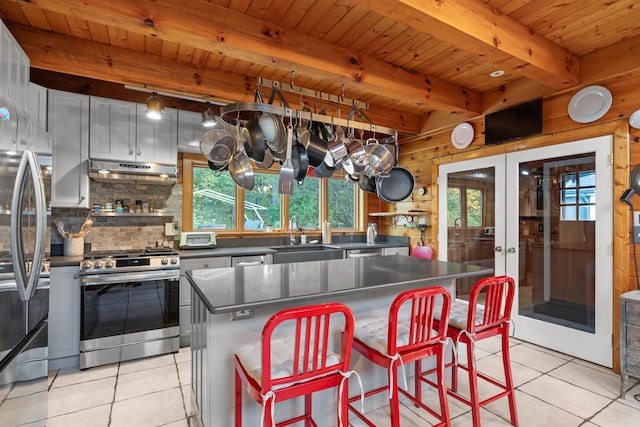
(197,240)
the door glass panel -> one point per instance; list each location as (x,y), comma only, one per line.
(471,222)
(557,241)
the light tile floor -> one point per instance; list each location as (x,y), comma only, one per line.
(552,390)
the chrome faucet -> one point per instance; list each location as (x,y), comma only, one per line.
(456,226)
(293,225)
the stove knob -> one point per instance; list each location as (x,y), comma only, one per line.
(87,265)
(174,261)
(164,261)
(97,264)
(109,264)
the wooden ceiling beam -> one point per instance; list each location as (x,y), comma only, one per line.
(473,26)
(225,32)
(69,55)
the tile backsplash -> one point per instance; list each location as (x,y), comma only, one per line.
(126,231)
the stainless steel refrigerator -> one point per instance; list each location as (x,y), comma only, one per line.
(24,285)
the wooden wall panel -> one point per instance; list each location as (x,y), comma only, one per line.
(422,156)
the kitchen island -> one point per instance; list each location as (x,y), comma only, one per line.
(231,305)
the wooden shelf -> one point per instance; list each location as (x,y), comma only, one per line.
(132,214)
(416,213)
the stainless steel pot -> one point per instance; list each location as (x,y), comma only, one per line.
(253,139)
(316,150)
(379,158)
(241,170)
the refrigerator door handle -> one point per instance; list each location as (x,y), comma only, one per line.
(28,280)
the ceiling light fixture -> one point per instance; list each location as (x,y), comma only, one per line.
(154,107)
(497,73)
(208,118)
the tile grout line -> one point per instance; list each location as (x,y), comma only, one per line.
(115,388)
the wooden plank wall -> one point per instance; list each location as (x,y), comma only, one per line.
(423,155)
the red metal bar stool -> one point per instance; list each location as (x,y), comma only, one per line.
(469,323)
(283,367)
(409,334)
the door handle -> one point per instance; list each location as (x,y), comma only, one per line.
(511,250)
(498,249)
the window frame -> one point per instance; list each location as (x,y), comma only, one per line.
(191,161)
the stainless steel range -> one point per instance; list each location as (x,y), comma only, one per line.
(129,305)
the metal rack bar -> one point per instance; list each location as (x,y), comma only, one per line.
(245,111)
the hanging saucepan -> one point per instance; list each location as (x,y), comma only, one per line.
(267,161)
(300,162)
(395,187)
(217,145)
(337,149)
(316,150)
(367,183)
(379,158)
(324,171)
(253,139)
(217,168)
(240,166)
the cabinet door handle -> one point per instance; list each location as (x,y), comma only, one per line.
(131,151)
(139,153)
(498,249)
(511,250)
(206,266)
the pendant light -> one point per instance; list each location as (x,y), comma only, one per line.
(154,107)
(208,118)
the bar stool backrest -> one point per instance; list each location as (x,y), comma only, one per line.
(427,305)
(500,291)
(310,355)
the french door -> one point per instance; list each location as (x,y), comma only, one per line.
(534,215)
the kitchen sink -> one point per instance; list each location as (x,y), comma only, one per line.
(302,253)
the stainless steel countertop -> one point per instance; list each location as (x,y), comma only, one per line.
(224,290)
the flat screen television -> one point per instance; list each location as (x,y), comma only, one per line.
(513,123)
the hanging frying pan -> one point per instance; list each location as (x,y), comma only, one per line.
(397,186)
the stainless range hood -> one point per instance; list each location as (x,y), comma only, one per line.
(143,173)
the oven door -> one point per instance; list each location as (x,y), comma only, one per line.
(129,309)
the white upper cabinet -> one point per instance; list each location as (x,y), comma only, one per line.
(190,131)
(157,140)
(14,69)
(37,108)
(112,129)
(121,131)
(68,118)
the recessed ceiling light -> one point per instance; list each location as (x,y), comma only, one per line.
(497,73)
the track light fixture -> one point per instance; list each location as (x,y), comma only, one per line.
(208,118)
(154,107)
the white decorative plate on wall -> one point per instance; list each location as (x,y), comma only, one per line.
(462,135)
(634,119)
(589,104)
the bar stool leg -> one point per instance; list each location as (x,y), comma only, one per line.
(417,382)
(238,401)
(393,401)
(473,384)
(442,388)
(506,362)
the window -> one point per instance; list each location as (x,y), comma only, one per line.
(464,207)
(578,196)
(214,202)
(342,204)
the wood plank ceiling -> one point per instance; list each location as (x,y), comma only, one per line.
(418,64)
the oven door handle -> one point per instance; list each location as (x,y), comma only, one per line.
(144,276)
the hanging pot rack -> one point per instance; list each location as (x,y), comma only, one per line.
(245,111)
